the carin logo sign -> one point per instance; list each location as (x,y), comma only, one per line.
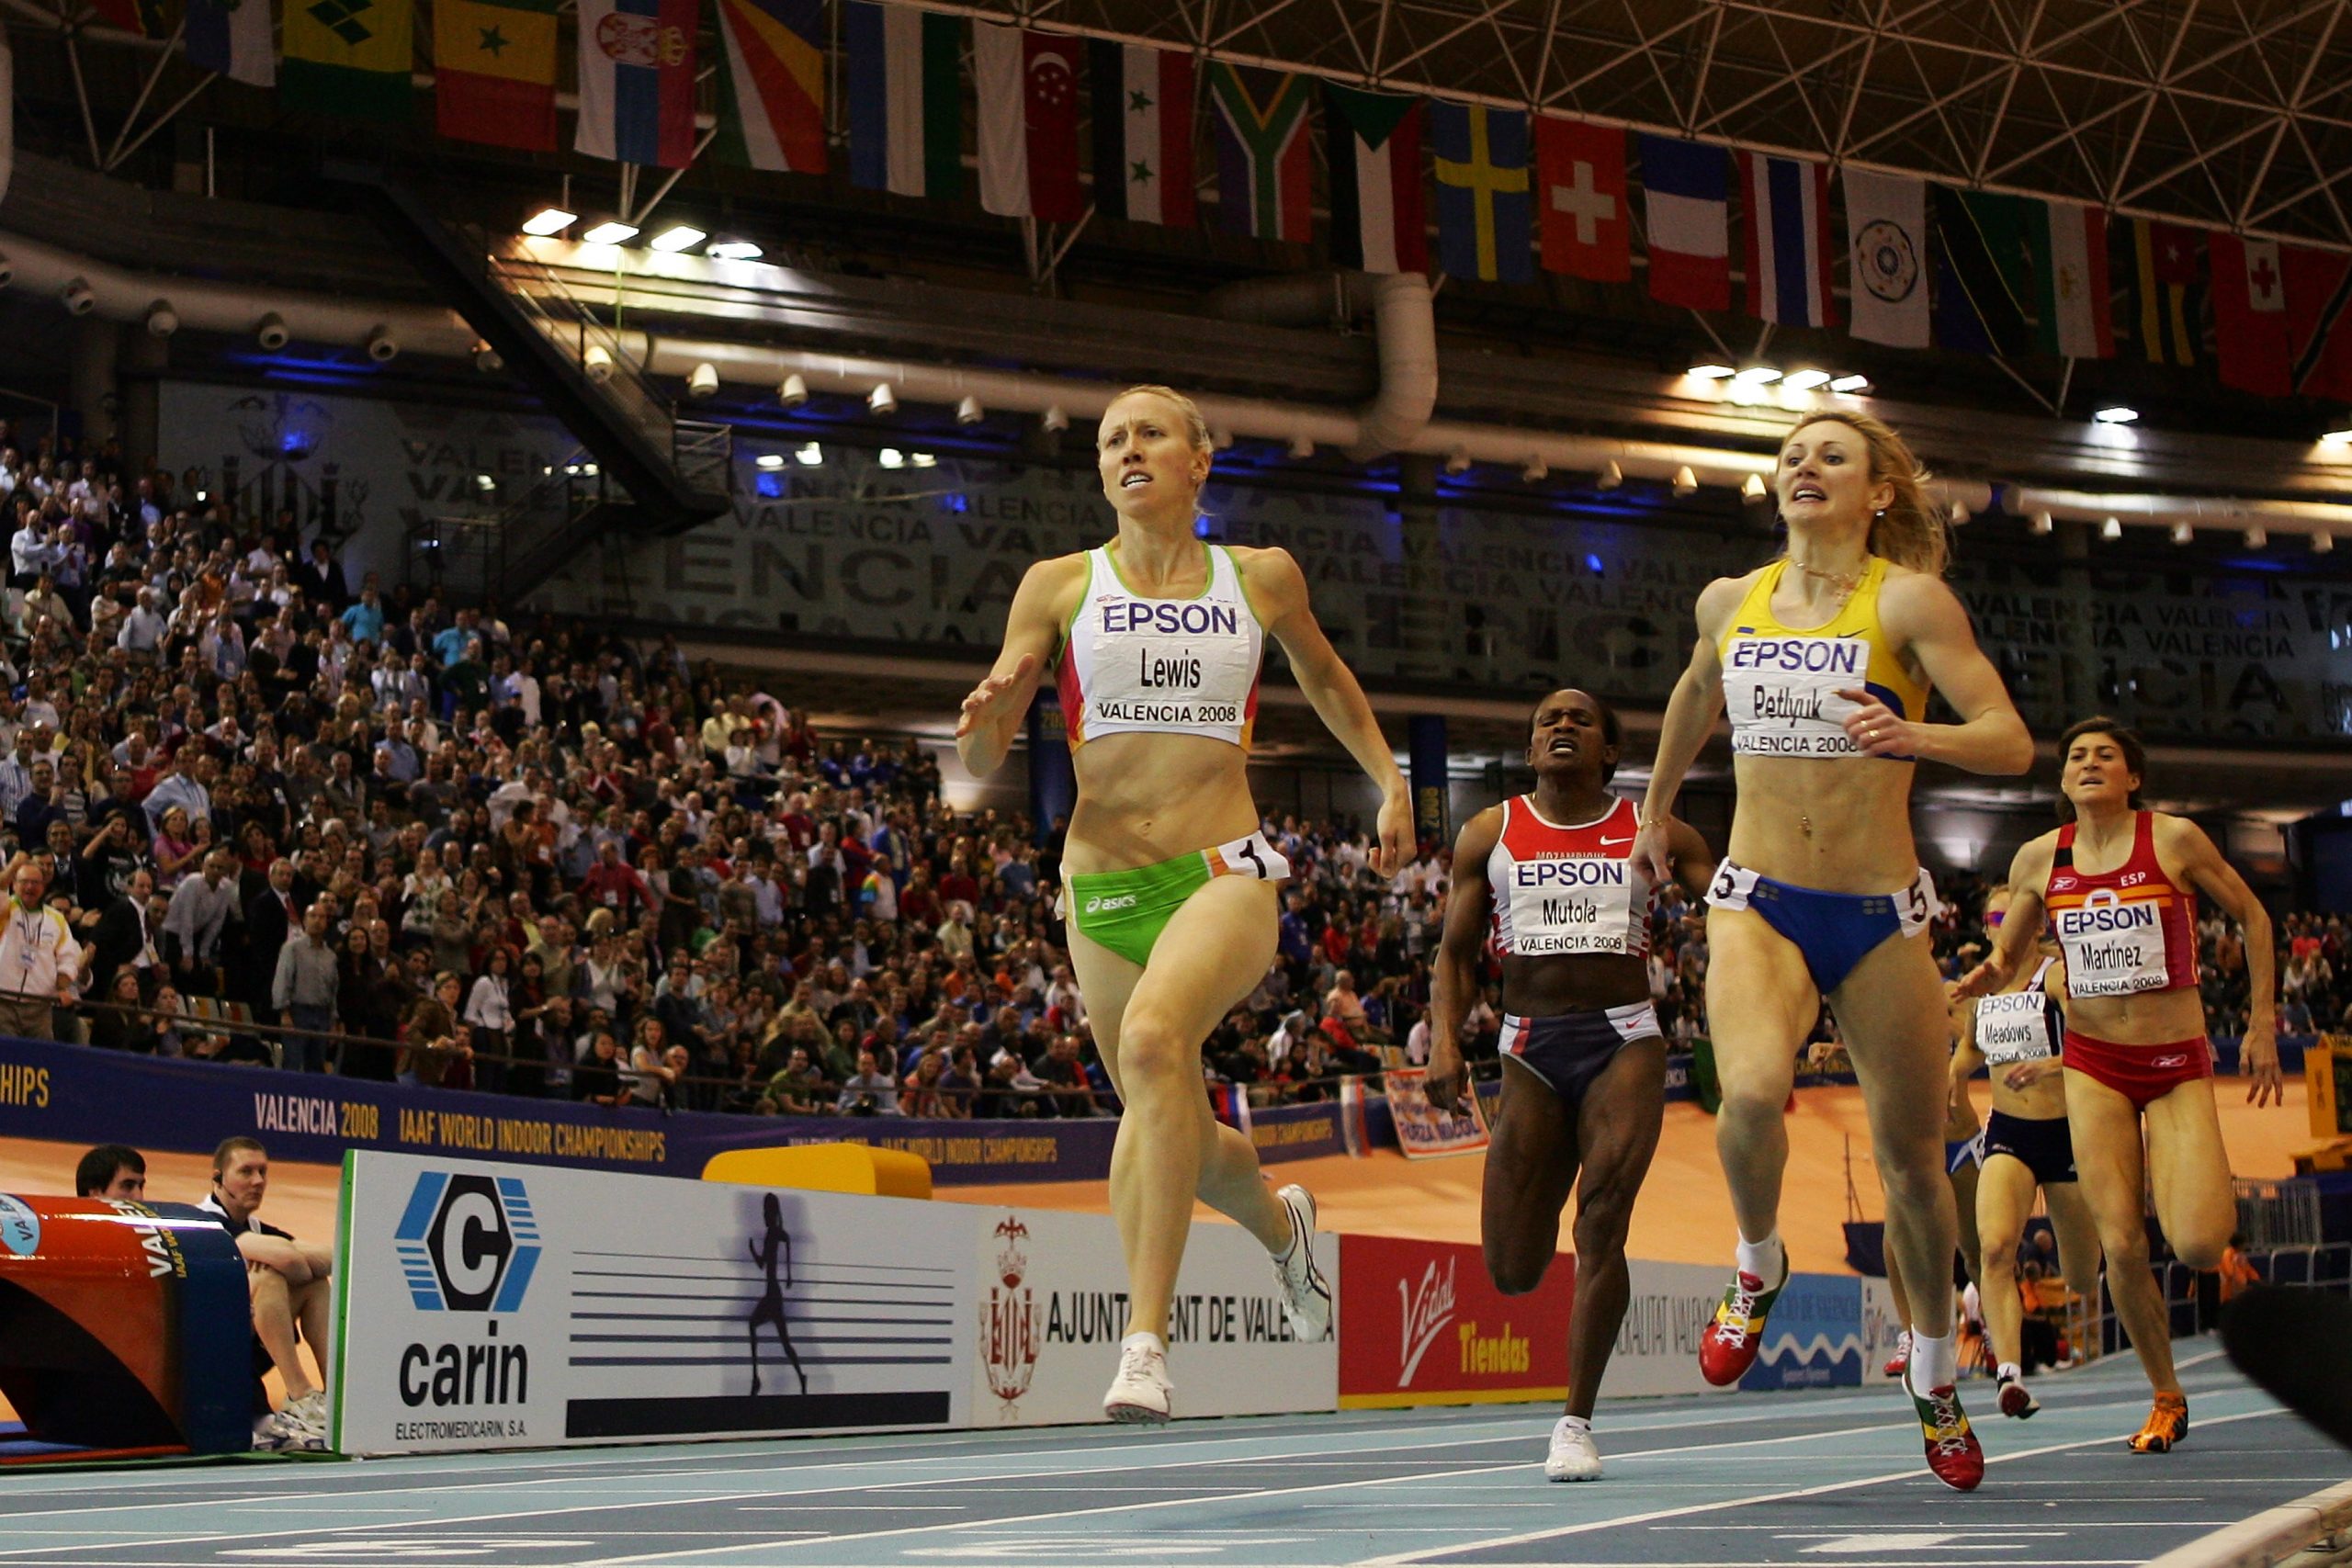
(467,1243)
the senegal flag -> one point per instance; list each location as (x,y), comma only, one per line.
(348,57)
(494,72)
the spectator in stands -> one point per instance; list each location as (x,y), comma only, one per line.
(39,959)
(199,912)
(289,1287)
(869,1091)
(112,1170)
(307,984)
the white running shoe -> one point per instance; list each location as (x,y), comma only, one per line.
(281,1430)
(1306,1299)
(312,1414)
(1574,1456)
(1141,1393)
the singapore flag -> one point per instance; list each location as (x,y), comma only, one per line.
(1028,122)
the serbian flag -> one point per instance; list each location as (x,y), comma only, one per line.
(2318,320)
(637,81)
(2250,316)
(1378,222)
(1143,133)
(1027,84)
(493,73)
(1688,201)
(772,103)
(1788,239)
(1586,228)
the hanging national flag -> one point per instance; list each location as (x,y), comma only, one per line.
(772,95)
(8,113)
(2160,277)
(1787,202)
(1687,200)
(1262,158)
(1486,215)
(2073,308)
(637,81)
(1582,214)
(1027,84)
(2250,316)
(1982,287)
(145,17)
(1143,133)
(1886,252)
(906,108)
(233,38)
(494,72)
(1374,156)
(2318,320)
(346,57)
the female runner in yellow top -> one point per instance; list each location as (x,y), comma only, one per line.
(1169,885)
(1823,660)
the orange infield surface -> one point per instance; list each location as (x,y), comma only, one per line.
(1683,1215)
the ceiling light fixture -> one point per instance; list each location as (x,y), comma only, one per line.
(1807,380)
(809,456)
(1757,375)
(2043,522)
(2112,530)
(1685,482)
(610,233)
(549,221)
(731,250)
(891,458)
(2182,533)
(771,459)
(1713,372)
(2116,413)
(1850,383)
(678,237)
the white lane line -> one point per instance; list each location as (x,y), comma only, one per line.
(1909,1473)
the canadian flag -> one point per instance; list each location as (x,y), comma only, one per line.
(2250,316)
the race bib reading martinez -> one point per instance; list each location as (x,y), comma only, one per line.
(2113,949)
(1570,904)
(1176,664)
(1780,694)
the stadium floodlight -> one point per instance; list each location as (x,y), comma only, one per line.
(1807,380)
(1850,383)
(2183,533)
(769,460)
(891,458)
(793,391)
(1757,375)
(678,237)
(882,399)
(2115,413)
(1713,372)
(2112,530)
(809,456)
(1752,486)
(549,221)
(2043,522)
(612,231)
(732,250)
(1685,482)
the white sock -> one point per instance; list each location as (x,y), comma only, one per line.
(1151,1339)
(2009,1371)
(1934,1363)
(1763,1259)
(1577,1422)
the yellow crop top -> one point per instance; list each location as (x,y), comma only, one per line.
(1781,683)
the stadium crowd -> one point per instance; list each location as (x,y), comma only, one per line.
(238,789)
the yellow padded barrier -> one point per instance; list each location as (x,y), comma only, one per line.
(826,1167)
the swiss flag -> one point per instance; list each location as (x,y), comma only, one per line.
(1580,199)
(2250,316)
(1050,63)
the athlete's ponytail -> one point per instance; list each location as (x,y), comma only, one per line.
(1913,531)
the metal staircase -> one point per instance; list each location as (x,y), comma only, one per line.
(641,467)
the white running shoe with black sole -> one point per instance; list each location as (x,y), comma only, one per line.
(1141,1394)
(1307,1298)
(1574,1456)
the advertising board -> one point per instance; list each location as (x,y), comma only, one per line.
(1052,1306)
(1425,1325)
(489,1306)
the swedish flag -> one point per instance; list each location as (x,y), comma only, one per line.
(1485,207)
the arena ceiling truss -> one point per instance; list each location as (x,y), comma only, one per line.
(2222,113)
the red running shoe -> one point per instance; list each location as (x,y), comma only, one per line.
(1953,1453)
(1900,1363)
(1729,1346)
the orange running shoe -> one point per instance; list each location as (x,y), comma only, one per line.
(1730,1345)
(2167,1424)
(1953,1453)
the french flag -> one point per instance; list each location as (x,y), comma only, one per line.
(637,81)
(1687,196)
(1788,239)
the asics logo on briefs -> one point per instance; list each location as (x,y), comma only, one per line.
(1105,906)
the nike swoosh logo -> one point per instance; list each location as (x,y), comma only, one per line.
(1626,840)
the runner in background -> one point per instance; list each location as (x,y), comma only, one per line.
(1569,911)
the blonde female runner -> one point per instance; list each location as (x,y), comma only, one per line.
(2119,883)
(1823,660)
(1170,888)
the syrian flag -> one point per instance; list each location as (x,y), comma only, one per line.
(2250,316)
(1378,222)
(1788,239)
(1027,85)
(1143,133)
(2318,320)
(1687,200)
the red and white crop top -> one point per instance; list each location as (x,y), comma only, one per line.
(2126,931)
(1568,888)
